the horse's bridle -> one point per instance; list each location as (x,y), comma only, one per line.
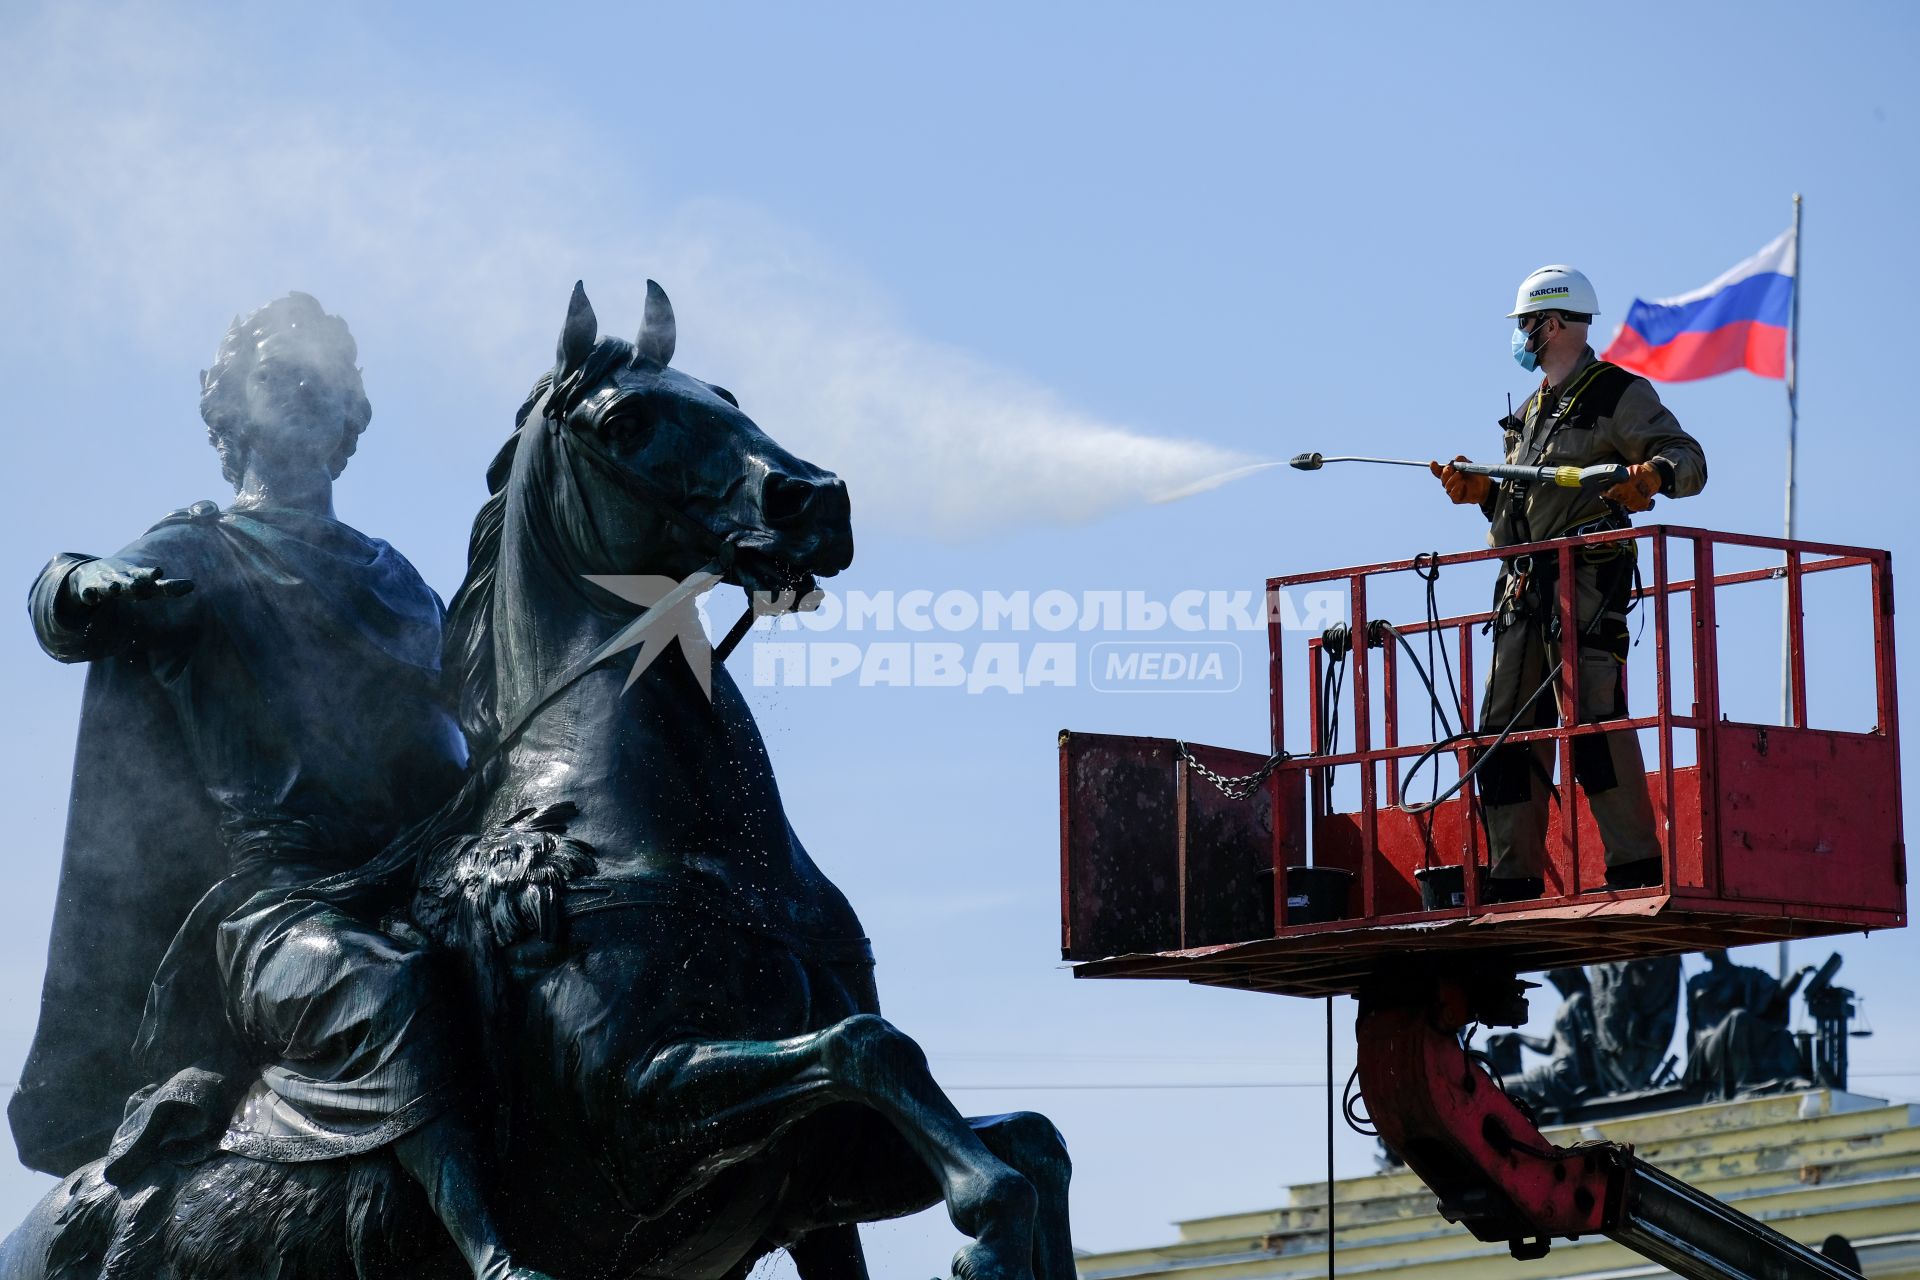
(721,549)
(641,487)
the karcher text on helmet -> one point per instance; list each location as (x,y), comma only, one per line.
(1556,288)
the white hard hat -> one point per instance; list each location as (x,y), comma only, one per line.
(1555,288)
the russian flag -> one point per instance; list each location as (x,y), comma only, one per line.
(1737,322)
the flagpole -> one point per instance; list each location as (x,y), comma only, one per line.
(1793,432)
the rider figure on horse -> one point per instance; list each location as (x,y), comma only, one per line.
(265,709)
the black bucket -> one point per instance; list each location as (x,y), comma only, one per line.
(1317,894)
(1442,888)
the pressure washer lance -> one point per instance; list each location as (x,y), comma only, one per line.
(1603,475)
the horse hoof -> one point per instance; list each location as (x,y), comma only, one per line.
(979,1262)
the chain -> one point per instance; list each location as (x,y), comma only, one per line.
(1233,788)
(1338,641)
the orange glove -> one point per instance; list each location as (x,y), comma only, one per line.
(1635,493)
(1464,489)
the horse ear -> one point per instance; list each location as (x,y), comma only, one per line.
(577,335)
(656,329)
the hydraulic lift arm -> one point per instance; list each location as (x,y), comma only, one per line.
(1441,1112)
(1692,1234)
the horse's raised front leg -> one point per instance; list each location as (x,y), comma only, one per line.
(701,1105)
(1028,1142)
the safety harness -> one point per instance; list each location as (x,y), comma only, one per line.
(1594,394)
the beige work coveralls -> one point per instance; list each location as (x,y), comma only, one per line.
(1600,414)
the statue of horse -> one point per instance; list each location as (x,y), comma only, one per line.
(683,1050)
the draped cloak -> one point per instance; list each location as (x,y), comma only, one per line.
(281,721)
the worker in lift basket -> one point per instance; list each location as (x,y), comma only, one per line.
(1585,412)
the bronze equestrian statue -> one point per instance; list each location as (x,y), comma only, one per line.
(583,984)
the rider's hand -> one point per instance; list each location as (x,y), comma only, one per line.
(1635,493)
(95,582)
(1464,489)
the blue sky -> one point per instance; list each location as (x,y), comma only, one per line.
(1012,271)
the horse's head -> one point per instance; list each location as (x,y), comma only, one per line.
(687,473)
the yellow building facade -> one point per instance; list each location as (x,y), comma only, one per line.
(1808,1165)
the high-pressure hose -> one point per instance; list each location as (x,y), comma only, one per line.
(1427,566)
(1430,572)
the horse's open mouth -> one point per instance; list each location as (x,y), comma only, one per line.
(782,583)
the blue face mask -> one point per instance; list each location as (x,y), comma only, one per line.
(1523,354)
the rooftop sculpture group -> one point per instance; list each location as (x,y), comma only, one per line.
(1616,1021)
(387,952)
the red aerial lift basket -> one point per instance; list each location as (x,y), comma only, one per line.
(1769,831)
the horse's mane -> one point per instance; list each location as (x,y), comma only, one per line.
(467,652)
